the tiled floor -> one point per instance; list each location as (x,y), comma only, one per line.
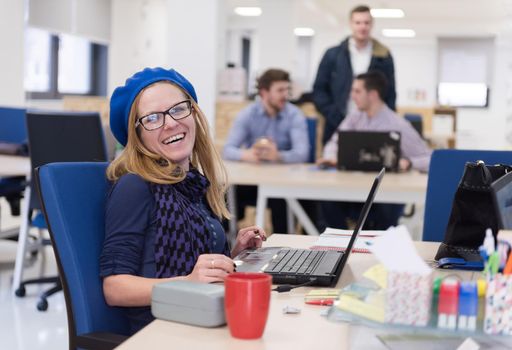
(22,326)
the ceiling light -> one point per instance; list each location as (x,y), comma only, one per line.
(387,13)
(303,31)
(399,33)
(248,11)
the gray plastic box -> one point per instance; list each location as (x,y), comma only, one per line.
(198,304)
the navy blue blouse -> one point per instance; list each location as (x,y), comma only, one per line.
(130,231)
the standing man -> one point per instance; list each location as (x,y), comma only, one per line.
(372,114)
(357,54)
(269,130)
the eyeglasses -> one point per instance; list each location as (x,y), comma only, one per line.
(156,120)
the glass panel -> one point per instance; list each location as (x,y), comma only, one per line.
(37,60)
(74,65)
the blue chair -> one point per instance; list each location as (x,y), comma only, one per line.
(445,172)
(13,132)
(416,121)
(312,123)
(13,128)
(73,200)
(55,137)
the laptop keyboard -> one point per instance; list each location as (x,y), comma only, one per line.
(300,261)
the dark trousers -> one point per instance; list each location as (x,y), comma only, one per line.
(381,216)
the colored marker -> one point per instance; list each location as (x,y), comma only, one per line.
(448,304)
(328,302)
(468,306)
(508,266)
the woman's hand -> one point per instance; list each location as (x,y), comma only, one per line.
(211,268)
(249,237)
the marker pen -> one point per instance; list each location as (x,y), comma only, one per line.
(468,306)
(448,304)
(328,302)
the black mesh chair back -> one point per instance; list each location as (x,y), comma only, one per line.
(63,137)
(56,137)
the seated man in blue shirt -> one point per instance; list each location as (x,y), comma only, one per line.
(269,130)
(368,90)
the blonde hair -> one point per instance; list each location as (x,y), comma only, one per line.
(139,160)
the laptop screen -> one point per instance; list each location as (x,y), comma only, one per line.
(364,212)
(502,192)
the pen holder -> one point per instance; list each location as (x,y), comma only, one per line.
(408,298)
(498,305)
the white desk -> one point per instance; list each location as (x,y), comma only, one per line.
(307,330)
(14,166)
(299,181)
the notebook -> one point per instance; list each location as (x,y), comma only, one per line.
(502,193)
(368,150)
(336,239)
(305,266)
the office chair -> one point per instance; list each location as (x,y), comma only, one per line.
(13,138)
(416,121)
(55,137)
(445,172)
(312,123)
(73,200)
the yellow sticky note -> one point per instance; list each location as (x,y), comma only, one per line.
(372,311)
(322,294)
(378,274)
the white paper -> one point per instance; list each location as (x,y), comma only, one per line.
(362,243)
(333,237)
(329,231)
(396,251)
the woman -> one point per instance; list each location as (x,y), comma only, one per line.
(163,212)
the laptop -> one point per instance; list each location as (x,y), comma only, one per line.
(501,190)
(368,150)
(305,266)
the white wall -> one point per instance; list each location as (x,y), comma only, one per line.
(86,18)
(193,44)
(168,33)
(11,55)
(276,38)
(139,38)
(415,71)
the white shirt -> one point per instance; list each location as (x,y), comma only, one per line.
(360,61)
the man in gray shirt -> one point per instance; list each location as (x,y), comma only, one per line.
(269,130)
(367,93)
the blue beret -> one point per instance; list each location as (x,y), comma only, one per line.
(123,96)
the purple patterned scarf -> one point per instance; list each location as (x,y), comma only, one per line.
(182,231)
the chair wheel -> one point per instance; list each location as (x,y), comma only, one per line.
(20,292)
(42,305)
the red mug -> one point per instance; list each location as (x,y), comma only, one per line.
(246,303)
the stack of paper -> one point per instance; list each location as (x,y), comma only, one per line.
(335,239)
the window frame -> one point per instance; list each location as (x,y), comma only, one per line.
(99,58)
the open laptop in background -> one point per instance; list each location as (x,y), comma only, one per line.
(368,150)
(305,266)
(502,192)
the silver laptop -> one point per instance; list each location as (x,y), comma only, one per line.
(305,266)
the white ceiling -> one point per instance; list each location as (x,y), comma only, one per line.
(441,17)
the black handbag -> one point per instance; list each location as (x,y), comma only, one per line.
(473,211)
